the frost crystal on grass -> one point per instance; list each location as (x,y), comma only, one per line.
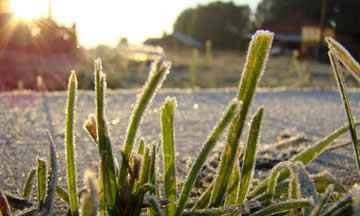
(256,57)
(159,70)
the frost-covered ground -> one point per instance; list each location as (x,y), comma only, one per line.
(23,121)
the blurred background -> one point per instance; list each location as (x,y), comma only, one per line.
(41,41)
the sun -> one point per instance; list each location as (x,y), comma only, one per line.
(26,9)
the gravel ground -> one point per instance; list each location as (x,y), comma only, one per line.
(25,117)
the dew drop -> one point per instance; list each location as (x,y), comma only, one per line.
(115,121)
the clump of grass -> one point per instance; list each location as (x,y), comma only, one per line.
(132,188)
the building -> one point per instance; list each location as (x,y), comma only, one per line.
(175,41)
(294,31)
(32,48)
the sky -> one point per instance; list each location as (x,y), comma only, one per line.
(106,21)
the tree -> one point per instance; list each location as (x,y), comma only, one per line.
(221,22)
(183,22)
(346,15)
(341,14)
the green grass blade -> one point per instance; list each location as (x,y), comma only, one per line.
(283,207)
(155,206)
(305,157)
(227,162)
(144,189)
(141,147)
(322,202)
(151,211)
(101,192)
(248,165)
(257,56)
(273,179)
(4,206)
(41,182)
(203,199)
(338,205)
(63,195)
(324,179)
(355,200)
(70,144)
(231,198)
(167,128)
(344,56)
(322,182)
(300,185)
(338,76)
(307,187)
(157,75)
(294,187)
(153,166)
(145,169)
(28,184)
(143,186)
(206,149)
(52,177)
(272,184)
(104,144)
(313,151)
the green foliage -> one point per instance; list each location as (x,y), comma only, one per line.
(305,157)
(167,127)
(107,184)
(63,194)
(41,182)
(46,187)
(52,177)
(338,76)
(157,76)
(338,205)
(69,143)
(248,165)
(28,184)
(200,160)
(342,13)
(220,22)
(156,207)
(234,183)
(339,52)
(344,56)
(322,202)
(258,53)
(141,147)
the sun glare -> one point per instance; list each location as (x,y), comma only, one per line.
(28,9)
